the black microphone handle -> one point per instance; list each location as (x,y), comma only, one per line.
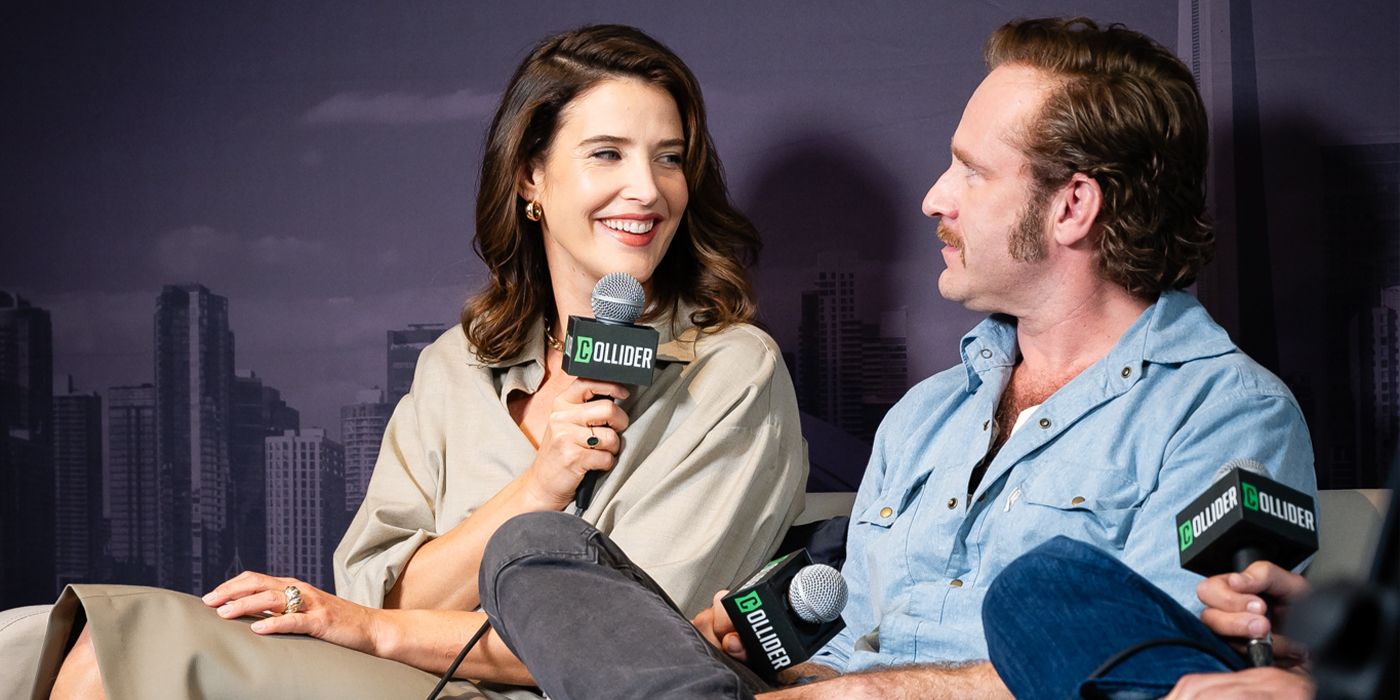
(1261,651)
(584,495)
(1244,556)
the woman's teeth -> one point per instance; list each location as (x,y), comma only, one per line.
(630,225)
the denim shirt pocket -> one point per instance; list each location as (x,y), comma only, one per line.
(1091,505)
(890,503)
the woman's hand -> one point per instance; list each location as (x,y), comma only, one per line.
(320,614)
(1239,607)
(581,414)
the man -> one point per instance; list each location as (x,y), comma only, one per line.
(1095,402)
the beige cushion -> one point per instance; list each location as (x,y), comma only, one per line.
(21,640)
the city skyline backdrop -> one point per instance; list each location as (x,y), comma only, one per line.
(315,166)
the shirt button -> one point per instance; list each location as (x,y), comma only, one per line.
(1044,422)
(952,503)
(886,512)
(986,424)
(986,352)
(1127,372)
(955,583)
(1076,500)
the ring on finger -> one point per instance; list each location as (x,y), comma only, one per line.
(592,438)
(293,595)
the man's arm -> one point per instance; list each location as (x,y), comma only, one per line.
(975,680)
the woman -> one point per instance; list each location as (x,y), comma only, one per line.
(598,161)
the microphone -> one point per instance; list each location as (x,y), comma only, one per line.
(610,347)
(787,611)
(1244,517)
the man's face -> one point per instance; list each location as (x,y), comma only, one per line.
(992,224)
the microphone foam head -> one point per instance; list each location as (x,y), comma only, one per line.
(1242,464)
(817,593)
(618,298)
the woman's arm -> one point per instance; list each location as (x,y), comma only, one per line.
(442,573)
(425,639)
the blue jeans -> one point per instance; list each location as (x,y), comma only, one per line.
(1061,610)
(588,623)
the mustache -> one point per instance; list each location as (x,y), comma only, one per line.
(946,235)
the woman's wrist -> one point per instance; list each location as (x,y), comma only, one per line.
(385,632)
(535,497)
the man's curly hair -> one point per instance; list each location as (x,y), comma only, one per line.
(1126,112)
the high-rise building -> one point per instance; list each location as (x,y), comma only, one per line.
(403,348)
(132,483)
(257,411)
(829,348)
(362,427)
(305,497)
(884,367)
(77,463)
(26,453)
(1355,433)
(194,378)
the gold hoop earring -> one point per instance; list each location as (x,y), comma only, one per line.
(533,210)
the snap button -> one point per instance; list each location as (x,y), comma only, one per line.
(1127,372)
(955,583)
(1076,500)
(986,353)
(886,512)
(1044,422)
(952,503)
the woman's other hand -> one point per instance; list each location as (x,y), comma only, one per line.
(319,615)
(581,414)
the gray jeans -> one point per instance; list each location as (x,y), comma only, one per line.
(589,624)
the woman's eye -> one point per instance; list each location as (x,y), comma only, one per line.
(673,159)
(607,154)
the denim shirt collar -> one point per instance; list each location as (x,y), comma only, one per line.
(1175,329)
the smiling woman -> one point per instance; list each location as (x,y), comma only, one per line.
(598,161)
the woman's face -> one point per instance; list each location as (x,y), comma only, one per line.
(612,186)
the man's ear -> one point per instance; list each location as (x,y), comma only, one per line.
(1076,209)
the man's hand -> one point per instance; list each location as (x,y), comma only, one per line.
(1262,683)
(717,629)
(1239,606)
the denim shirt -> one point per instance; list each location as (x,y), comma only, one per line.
(1109,459)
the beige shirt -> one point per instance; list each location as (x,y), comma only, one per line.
(709,476)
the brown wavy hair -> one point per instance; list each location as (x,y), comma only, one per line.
(706,264)
(1126,112)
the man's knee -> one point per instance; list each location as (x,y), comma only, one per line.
(1051,566)
(533,534)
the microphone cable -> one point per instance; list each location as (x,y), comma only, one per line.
(1124,655)
(447,677)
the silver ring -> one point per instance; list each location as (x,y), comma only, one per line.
(293,599)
